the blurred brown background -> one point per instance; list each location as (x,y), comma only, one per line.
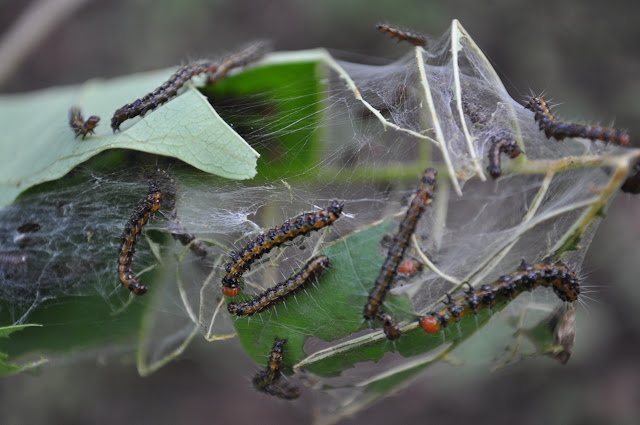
(585,54)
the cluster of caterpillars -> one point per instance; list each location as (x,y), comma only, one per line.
(303,224)
(168,90)
(526,278)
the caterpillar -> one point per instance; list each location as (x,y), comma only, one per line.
(472,109)
(169,89)
(169,198)
(241,261)
(130,236)
(310,272)
(251,54)
(559,130)
(390,325)
(79,125)
(389,268)
(268,381)
(188,239)
(160,95)
(527,278)
(501,143)
(411,37)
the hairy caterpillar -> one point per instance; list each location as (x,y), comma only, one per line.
(130,236)
(310,272)
(169,89)
(527,278)
(79,125)
(559,130)
(248,55)
(411,37)
(389,268)
(390,325)
(268,381)
(160,95)
(265,242)
(501,143)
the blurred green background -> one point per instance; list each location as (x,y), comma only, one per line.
(584,54)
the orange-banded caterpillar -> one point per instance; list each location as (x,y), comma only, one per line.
(389,268)
(130,236)
(79,125)
(169,89)
(251,54)
(527,278)
(411,37)
(309,273)
(390,326)
(241,261)
(268,381)
(559,130)
(501,143)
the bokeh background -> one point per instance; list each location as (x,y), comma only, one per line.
(584,54)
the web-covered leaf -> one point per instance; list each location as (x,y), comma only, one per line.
(364,135)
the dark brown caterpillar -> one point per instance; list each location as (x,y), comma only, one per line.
(390,325)
(411,37)
(241,261)
(251,54)
(160,95)
(389,268)
(170,88)
(501,143)
(472,109)
(188,239)
(527,278)
(309,273)
(79,125)
(130,236)
(269,380)
(559,130)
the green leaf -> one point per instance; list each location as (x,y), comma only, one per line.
(72,324)
(288,109)
(39,146)
(7,368)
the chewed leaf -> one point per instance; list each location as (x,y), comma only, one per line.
(39,146)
